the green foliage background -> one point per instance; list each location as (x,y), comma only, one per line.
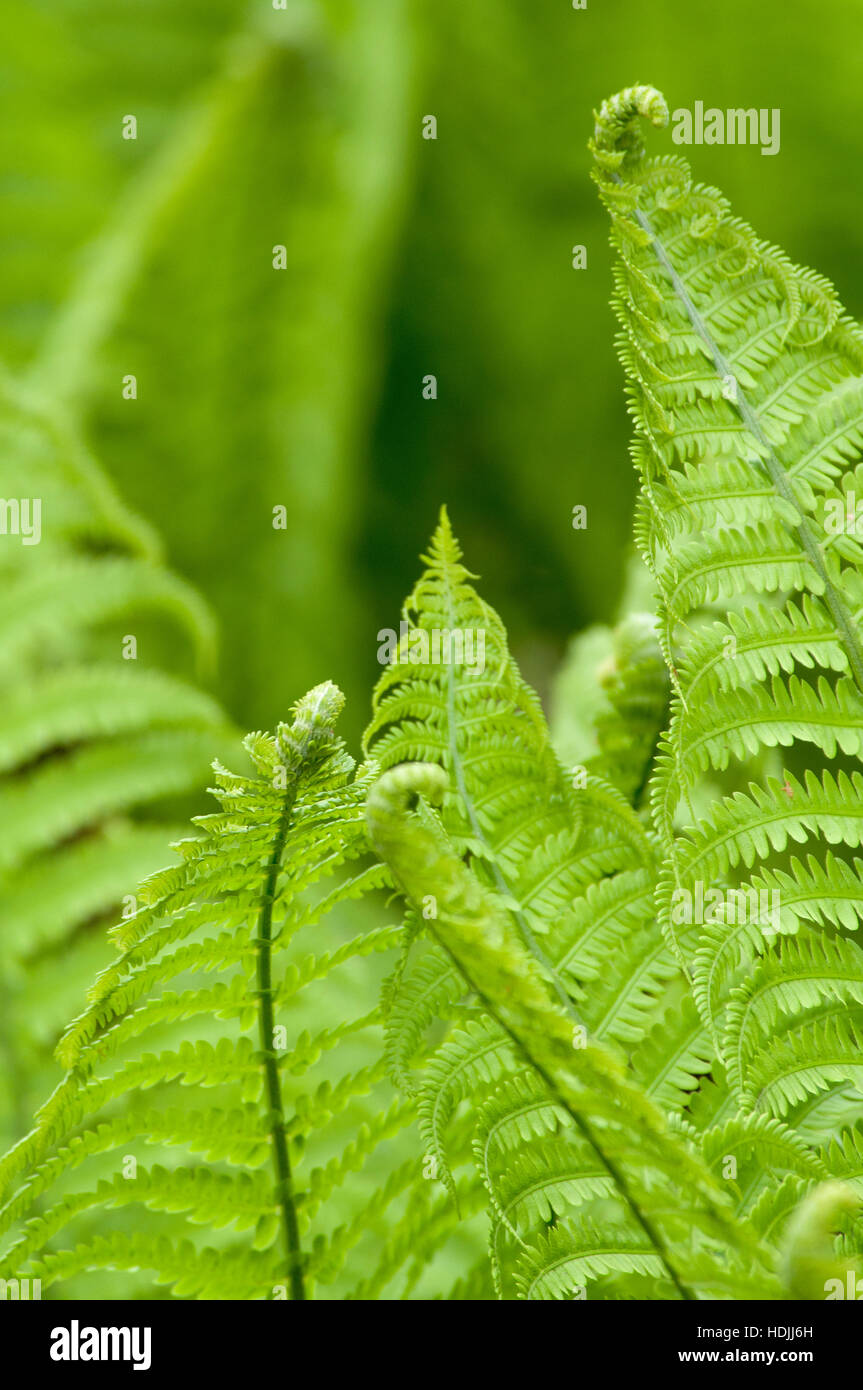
(406,257)
(303,127)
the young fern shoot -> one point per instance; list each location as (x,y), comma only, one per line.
(745,384)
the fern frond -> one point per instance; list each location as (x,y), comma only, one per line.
(281,859)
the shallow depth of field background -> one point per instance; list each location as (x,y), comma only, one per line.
(302,127)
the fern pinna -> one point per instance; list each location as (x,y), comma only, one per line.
(744,382)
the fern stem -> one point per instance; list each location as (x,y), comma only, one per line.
(276,1114)
(771,463)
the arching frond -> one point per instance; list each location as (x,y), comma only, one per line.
(283,1062)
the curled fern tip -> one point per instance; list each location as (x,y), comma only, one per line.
(617,132)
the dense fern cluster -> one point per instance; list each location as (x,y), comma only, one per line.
(613,1048)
